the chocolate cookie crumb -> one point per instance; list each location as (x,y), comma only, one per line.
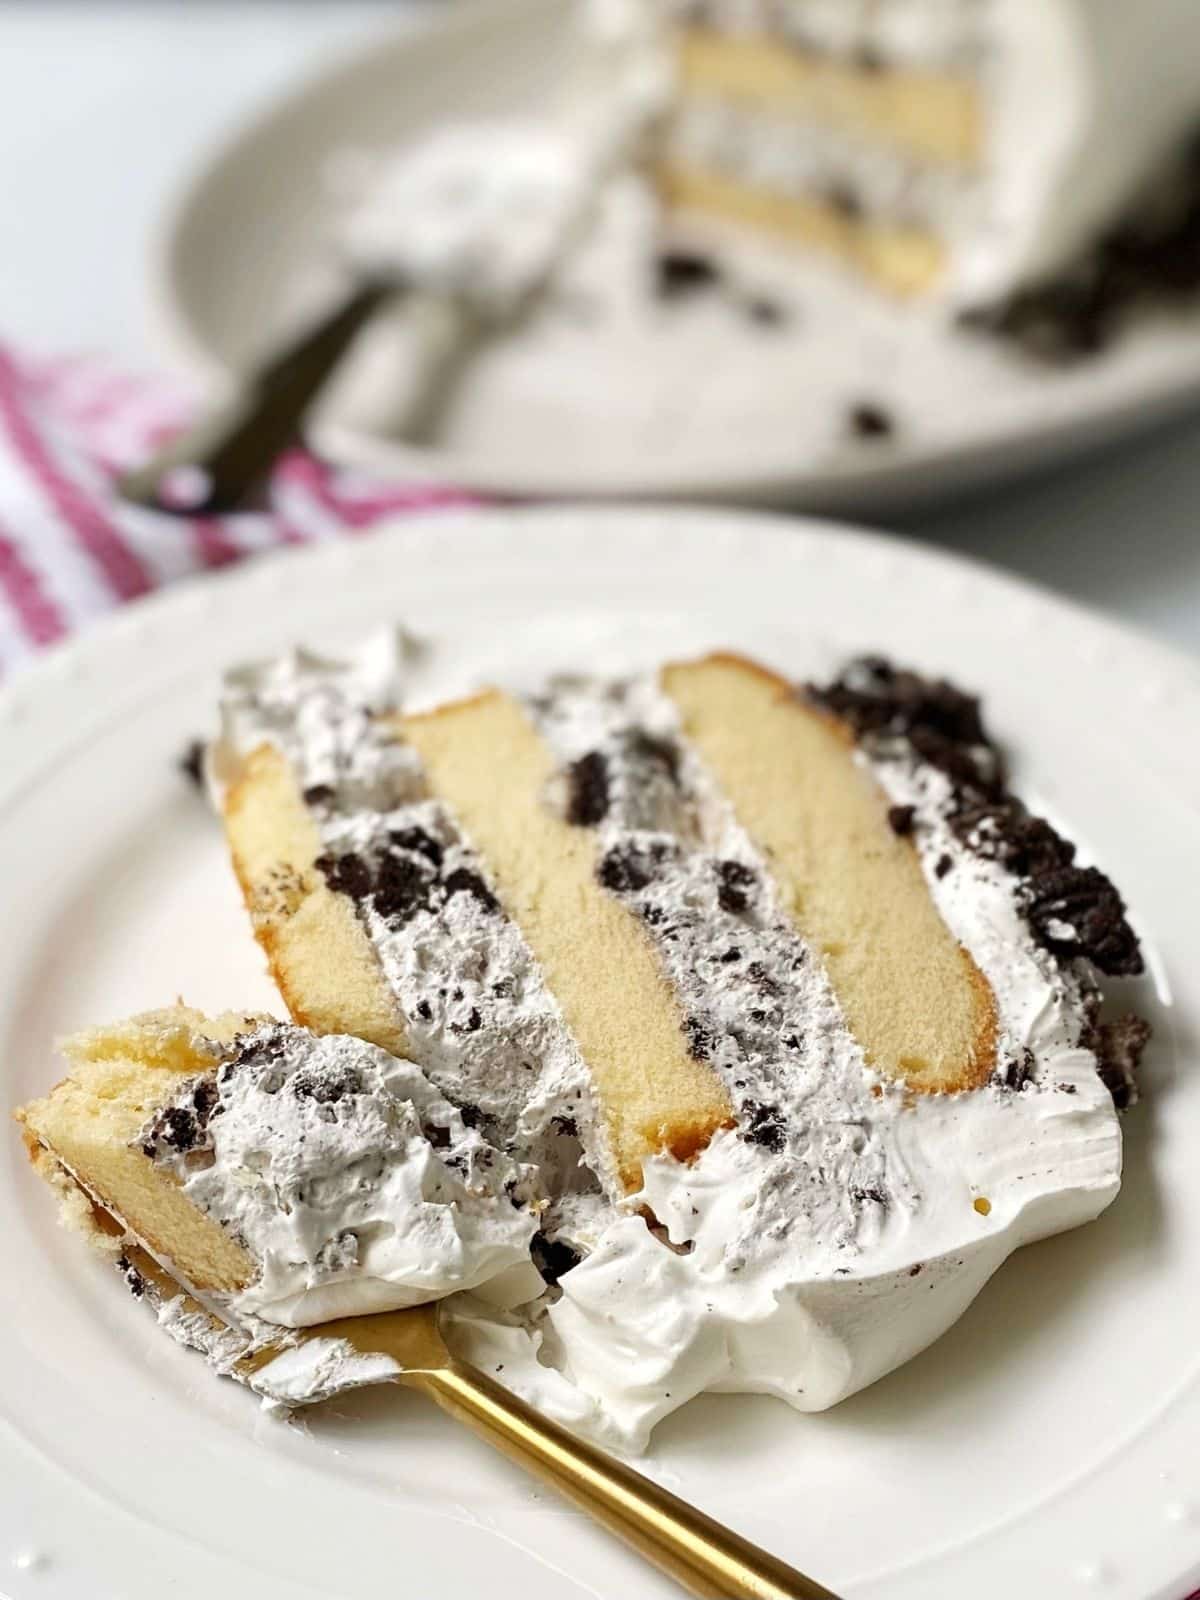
(346,874)
(319,794)
(1015,1074)
(587,790)
(700,1038)
(1077,911)
(900,819)
(734,881)
(553,1258)
(871,421)
(943,865)
(191,763)
(463,881)
(1118,1046)
(765,312)
(135,1283)
(682,272)
(764,1126)
(420,842)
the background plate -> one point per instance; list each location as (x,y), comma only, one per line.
(1046,1443)
(687,400)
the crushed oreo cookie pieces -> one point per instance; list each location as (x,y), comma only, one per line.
(463,881)
(326,1088)
(735,881)
(700,1037)
(764,1126)
(1148,258)
(1072,911)
(402,886)
(880,701)
(347,874)
(868,420)
(626,868)
(1077,911)
(191,763)
(840,197)
(175,1127)
(403,878)
(1118,1047)
(319,794)
(420,843)
(1017,1072)
(679,272)
(901,819)
(587,790)
(553,1258)
(134,1280)
(765,312)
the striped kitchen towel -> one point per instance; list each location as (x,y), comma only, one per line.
(70,550)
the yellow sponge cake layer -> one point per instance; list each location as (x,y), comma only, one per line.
(903,259)
(485,760)
(319,954)
(928,115)
(90,1123)
(913,997)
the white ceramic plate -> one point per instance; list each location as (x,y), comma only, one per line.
(1046,1443)
(610,393)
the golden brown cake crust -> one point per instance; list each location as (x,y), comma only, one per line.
(318,952)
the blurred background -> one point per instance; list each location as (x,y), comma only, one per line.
(106,109)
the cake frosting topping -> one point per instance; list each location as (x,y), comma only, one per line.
(843,1221)
(347,1177)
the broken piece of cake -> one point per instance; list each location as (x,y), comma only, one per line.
(280,1176)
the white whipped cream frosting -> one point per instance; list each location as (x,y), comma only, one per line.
(1083,100)
(349,1179)
(845,1223)
(487,209)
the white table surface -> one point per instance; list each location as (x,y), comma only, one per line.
(104,107)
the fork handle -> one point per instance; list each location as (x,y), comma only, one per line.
(701,1555)
(229,452)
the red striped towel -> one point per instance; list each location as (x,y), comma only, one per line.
(70,550)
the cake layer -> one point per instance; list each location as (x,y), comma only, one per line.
(914,999)
(902,259)
(285,1176)
(485,760)
(933,116)
(92,1121)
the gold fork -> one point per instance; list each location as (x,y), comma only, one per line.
(701,1555)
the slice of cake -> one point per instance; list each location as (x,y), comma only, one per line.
(739,1031)
(970,143)
(279,1176)
(793,1005)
